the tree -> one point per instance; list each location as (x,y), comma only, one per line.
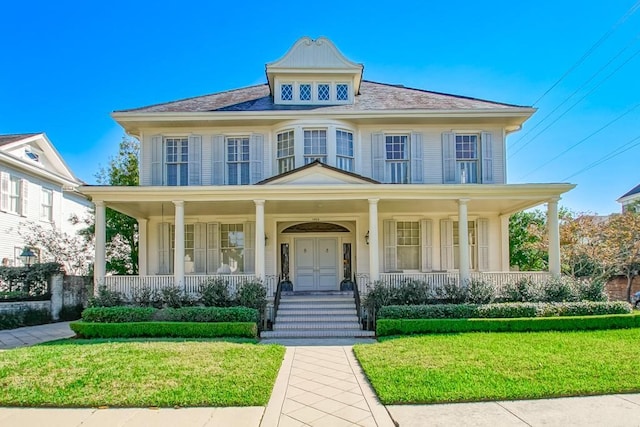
(121,230)
(581,246)
(526,238)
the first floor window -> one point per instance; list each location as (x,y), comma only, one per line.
(177,161)
(232,247)
(472,245)
(408,245)
(285,151)
(46,212)
(344,150)
(238,160)
(315,146)
(467,158)
(397,158)
(189,241)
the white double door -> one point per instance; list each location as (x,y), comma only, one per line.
(316,264)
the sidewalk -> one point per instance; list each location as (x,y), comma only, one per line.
(30,335)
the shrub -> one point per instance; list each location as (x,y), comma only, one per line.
(435,311)
(172,297)
(146,297)
(452,293)
(480,292)
(164,329)
(207,314)
(591,290)
(253,295)
(118,314)
(379,296)
(411,292)
(387,327)
(215,293)
(106,298)
(25,317)
(523,290)
(71,312)
(560,289)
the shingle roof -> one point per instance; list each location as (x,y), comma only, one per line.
(373,96)
(7,139)
(634,190)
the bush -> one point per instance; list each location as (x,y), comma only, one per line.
(25,317)
(147,297)
(452,293)
(253,295)
(106,298)
(560,289)
(411,292)
(480,292)
(174,297)
(386,327)
(71,312)
(164,330)
(524,290)
(592,290)
(118,314)
(502,310)
(207,314)
(379,296)
(215,293)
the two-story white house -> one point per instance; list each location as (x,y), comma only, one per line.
(36,186)
(317,176)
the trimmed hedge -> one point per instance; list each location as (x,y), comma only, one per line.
(183,314)
(386,327)
(164,330)
(503,310)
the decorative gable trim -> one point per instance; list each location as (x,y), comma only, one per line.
(351,178)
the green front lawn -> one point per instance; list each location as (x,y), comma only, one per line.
(502,366)
(93,373)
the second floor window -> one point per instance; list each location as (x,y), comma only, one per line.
(177,155)
(397,158)
(315,146)
(47,205)
(344,150)
(285,153)
(14,195)
(467,158)
(238,160)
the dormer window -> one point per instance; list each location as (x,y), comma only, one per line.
(323,92)
(286,92)
(342,92)
(305,92)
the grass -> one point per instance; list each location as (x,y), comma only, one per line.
(501,366)
(136,373)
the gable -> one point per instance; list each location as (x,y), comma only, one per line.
(317,173)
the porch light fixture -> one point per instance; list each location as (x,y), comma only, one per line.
(27,256)
(366,237)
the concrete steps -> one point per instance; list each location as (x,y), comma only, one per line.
(316,315)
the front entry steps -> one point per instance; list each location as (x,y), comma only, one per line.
(316,315)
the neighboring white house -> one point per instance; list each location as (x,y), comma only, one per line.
(35,185)
(630,197)
(317,176)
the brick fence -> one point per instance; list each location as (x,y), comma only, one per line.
(616,288)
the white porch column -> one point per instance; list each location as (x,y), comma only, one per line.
(260,243)
(504,248)
(178,256)
(554,236)
(99,267)
(142,246)
(463,239)
(374,257)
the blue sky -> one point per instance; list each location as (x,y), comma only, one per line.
(66,65)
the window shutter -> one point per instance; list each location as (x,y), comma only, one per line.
(195,160)
(377,157)
(426,226)
(446,244)
(256,155)
(249,246)
(417,164)
(218,160)
(24,197)
(483,244)
(164,242)
(213,247)
(5,180)
(390,245)
(487,157)
(157,161)
(449,175)
(200,248)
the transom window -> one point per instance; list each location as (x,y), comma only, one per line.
(14,195)
(323,92)
(232,247)
(286,92)
(344,150)
(46,212)
(467,158)
(177,155)
(473,253)
(408,245)
(285,153)
(315,146)
(305,92)
(342,92)
(238,160)
(397,158)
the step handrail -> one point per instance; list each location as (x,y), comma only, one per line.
(356,296)
(276,300)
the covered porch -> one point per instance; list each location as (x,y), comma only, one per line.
(379,232)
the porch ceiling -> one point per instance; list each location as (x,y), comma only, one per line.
(145,202)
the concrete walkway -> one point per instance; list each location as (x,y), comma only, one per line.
(30,335)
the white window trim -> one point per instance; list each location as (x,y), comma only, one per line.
(353,148)
(17,197)
(227,162)
(349,95)
(293,92)
(42,205)
(477,160)
(292,156)
(407,135)
(326,137)
(167,163)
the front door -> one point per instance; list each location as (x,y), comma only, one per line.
(316,264)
